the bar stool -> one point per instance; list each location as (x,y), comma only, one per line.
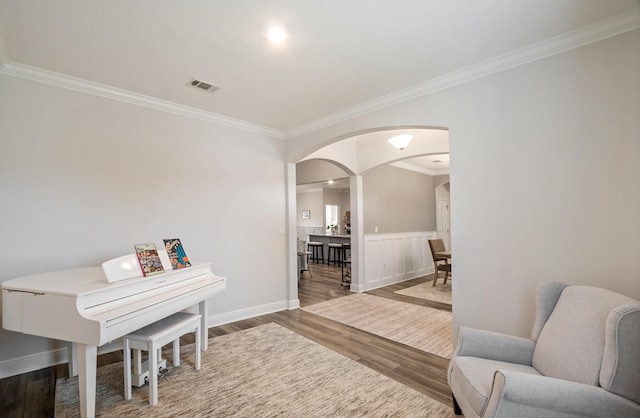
(346,251)
(337,253)
(317,251)
(303,264)
(346,273)
(151,339)
(303,258)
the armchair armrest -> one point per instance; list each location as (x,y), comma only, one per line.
(527,395)
(494,346)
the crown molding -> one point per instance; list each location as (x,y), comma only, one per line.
(102,90)
(588,34)
(594,32)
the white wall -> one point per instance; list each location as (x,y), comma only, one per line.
(545,169)
(83,178)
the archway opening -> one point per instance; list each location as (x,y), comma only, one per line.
(363,153)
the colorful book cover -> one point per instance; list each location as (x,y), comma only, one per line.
(149,259)
(176,253)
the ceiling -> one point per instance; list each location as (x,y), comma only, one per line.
(340,57)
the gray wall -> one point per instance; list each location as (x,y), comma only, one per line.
(395,199)
(315,201)
(545,167)
(398,200)
(84,178)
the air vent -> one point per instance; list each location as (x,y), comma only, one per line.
(203,85)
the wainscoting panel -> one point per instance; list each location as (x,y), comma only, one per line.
(393,258)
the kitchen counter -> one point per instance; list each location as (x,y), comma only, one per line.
(326,239)
(328,236)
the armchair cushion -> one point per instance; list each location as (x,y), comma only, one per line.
(525,395)
(571,344)
(473,377)
(478,355)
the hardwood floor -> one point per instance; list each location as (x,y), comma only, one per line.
(33,394)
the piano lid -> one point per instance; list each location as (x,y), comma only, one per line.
(74,282)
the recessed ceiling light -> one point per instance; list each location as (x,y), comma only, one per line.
(330,181)
(277,34)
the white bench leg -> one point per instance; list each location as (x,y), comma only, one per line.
(127,370)
(153,375)
(198,346)
(137,362)
(176,352)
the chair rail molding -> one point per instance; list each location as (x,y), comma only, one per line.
(397,257)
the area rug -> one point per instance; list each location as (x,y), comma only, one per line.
(266,371)
(426,329)
(438,293)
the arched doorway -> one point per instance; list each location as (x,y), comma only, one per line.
(358,153)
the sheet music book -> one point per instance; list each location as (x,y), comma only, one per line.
(177,255)
(149,259)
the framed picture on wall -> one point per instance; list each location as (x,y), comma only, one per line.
(306,214)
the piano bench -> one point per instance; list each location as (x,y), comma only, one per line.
(151,339)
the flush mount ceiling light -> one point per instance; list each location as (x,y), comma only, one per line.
(401,141)
(277,35)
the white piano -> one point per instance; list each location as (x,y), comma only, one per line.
(83,307)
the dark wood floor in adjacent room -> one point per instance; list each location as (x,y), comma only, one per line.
(33,394)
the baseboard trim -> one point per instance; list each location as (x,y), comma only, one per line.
(228,317)
(294,304)
(33,362)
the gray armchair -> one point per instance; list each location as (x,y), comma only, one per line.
(583,360)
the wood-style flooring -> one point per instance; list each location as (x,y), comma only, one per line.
(32,394)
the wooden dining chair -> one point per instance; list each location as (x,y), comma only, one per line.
(437,246)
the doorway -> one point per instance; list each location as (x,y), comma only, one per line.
(443,214)
(331,222)
(356,154)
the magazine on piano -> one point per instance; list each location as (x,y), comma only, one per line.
(149,259)
(177,255)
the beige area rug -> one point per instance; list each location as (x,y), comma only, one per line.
(438,293)
(426,329)
(266,371)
